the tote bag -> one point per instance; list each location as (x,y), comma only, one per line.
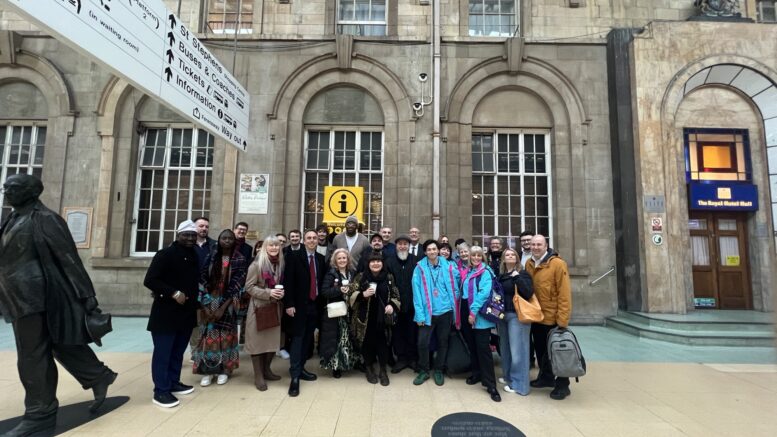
(529,311)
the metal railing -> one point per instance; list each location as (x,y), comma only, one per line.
(605,274)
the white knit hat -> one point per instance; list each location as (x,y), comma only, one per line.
(186,226)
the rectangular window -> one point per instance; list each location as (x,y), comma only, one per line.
(514,195)
(493,18)
(343,158)
(765,11)
(174,177)
(717,155)
(225,16)
(21,151)
(361,17)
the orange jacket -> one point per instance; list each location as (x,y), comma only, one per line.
(553,289)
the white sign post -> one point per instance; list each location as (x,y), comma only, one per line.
(145,43)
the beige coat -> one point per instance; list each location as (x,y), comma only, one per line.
(268,340)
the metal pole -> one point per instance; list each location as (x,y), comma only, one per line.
(179,9)
(237,29)
(436,122)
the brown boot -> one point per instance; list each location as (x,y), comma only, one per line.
(268,375)
(258,362)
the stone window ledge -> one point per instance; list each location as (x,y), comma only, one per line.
(121,263)
(579,271)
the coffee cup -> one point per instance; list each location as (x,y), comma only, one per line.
(345,282)
(373,285)
(279,287)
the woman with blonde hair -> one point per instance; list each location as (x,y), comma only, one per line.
(334,341)
(514,335)
(263,285)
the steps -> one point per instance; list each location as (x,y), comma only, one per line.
(700,328)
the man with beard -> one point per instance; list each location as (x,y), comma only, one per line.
(376,245)
(241,229)
(405,335)
(295,241)
(350,239)
(204,242)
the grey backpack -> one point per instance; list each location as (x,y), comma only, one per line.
(564,354)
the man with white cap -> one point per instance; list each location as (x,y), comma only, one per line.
(349,239)
(172,278)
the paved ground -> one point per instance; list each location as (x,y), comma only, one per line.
(634,387)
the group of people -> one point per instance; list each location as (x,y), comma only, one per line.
(380,306)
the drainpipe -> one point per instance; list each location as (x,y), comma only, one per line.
(436,120)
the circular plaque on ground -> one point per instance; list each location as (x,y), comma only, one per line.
(474,424)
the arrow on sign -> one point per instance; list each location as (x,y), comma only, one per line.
(171,38)
(168,73)
(172,20)
(170,56)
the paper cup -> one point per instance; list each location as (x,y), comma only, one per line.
(373,285)
(345,282)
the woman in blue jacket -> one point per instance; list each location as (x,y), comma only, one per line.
(477,287)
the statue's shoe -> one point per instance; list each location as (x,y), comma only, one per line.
(29,427)
(101,390)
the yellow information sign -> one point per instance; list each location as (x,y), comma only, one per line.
(340,202)
(732,260)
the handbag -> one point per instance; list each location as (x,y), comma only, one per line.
(267,316)
(336,309)
(529,311)
(388,319)
(493,309)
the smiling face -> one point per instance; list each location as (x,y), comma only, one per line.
(445,252)
(376,265)
(386,233)
(538,246)
(475,258)
(240,231)
(415,235)
(495,245)
(187,239)
(526,243)
(432,251)
(311,241)
(295,238)
(273,249)
(341,260)
(464,254)
(203,226)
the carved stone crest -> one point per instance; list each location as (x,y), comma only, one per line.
(718,8)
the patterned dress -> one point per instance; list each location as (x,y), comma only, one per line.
(218,353)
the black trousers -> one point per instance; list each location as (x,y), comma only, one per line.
(539,333)
(441,328)
(405,338)
(35,360)
(301,342)
(469,337)
(375,346)
(483,356)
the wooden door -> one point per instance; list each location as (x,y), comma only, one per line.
(719,258)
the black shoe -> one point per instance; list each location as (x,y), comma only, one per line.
(371,377)
(101,390)
(307,376)
(559,393)
(383,377)
(399,366)
(541,383)
(294,387)
(166,400)
(472,380)
(494,394)
(29,427)
(337,373)
(180,388)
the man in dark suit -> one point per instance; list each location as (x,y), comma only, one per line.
(303,276)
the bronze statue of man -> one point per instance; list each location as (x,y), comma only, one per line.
(46,294)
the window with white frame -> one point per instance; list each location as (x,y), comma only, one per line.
(348,157)
(225,16)
(361,17)
(21,151)
(511,184)
(493,17)
(173,184)
(765,11)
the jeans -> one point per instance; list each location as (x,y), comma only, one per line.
(167,358)
(514,345)
(441,327)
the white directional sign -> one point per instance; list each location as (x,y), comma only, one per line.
(145,43)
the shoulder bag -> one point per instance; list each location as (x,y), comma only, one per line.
(529,311)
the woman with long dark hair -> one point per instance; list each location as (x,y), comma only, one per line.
(221,285)
(374,298)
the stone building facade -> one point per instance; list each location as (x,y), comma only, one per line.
(550,120)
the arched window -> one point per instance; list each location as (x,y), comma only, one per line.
(343,147)
(23,115)
(511,169)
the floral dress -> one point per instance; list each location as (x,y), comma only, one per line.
(217,352)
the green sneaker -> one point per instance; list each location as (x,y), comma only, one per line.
(421,378)
(439,379)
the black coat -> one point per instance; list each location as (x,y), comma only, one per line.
(67,282)
(296,283)
(329,330)
(173,268)
(524,283)
(403,275)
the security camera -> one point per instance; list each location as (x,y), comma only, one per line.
(422,77)
(417,106)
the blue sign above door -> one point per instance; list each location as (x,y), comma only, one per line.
(721,196)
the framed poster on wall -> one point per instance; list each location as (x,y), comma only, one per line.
(79,221)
